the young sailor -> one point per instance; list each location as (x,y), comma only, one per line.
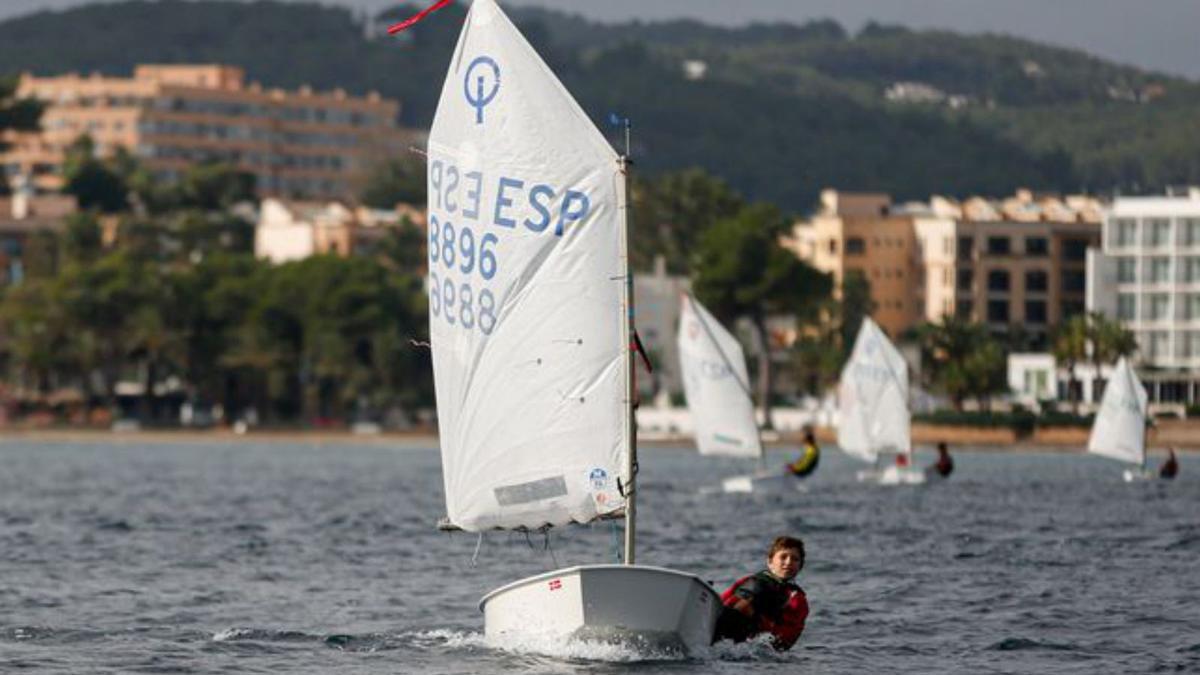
(769,601)
(1170,468)
(945,464)
(810,457)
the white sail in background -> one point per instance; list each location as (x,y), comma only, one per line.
(1119,431)
(873,397)
(526,290)
(717,384)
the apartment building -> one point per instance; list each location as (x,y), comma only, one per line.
(293,230)
(1029,272)
(22,215)
(858,233)
(303,143)
(1019,261)
(1147,275)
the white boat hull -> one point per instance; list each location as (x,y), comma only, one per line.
(762,482)
(893,475)
(1138,475)
(648,607)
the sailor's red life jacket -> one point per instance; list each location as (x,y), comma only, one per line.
(782,611)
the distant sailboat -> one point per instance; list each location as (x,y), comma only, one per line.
(717,386)
(531,316)
(874,420)
(1119,431)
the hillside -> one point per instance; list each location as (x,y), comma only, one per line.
(781,111)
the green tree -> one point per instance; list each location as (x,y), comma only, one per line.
(964,360)
(395,181)
(741,271)
(672,211)
(1109,341)
(16,114)
(854,305)
(215,186)
(81,239)
(1070,348)
(91,181)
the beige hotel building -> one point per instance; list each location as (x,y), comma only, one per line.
(1009,263)
(296,143)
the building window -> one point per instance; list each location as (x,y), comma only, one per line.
(1075,249)
(1074,281)
(965,279)
(1191,344)
(1157,348)
(1126,270)
(833,247)
(1035,311)
(1157,305)
(1126,306)
(1036,281)
(1036,246)
(966,248)
(1158,232)
(998,245)
(1158,271)
(1191,269)
(1191,231)
(963,309)
(1191,306)
(855,246)
(1072,308)
(997,311)
(998,280)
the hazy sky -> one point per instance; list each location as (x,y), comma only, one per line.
(1155,34)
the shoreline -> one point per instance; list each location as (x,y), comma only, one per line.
(1183,436)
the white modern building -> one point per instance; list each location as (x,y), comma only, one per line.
(1147,275)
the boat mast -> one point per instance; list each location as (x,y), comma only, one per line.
(631,463)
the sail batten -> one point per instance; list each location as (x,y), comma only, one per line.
(526,285)
(873,398)
(715,382)
(1119,431)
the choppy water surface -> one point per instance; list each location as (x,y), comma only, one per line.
(231,558)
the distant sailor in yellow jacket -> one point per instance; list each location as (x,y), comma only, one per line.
(810,457)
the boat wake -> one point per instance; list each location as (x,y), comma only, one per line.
(576,650)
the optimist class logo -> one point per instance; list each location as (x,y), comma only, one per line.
(481,84)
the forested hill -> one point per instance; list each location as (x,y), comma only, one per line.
(781,111)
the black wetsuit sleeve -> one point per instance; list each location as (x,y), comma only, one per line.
(749,590)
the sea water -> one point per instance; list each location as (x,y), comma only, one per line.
(247,557)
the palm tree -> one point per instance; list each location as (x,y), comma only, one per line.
(1070,348)
(1110,341)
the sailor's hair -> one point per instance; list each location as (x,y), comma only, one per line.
(785,542)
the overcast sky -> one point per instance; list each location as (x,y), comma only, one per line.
(1155,34)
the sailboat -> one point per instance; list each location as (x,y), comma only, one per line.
(717,386)
(531,312)
(874,420)
(1119,431)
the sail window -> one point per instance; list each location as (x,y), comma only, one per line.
(533,491)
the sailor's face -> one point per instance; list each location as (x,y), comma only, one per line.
(785,564)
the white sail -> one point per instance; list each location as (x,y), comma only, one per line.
(527,287)
(873,398)
(1119,431)
(717,384)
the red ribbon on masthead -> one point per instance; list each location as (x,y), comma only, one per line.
(392,30)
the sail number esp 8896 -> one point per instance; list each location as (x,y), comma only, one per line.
(463,239)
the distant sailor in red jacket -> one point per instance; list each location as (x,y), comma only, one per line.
(769,601)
